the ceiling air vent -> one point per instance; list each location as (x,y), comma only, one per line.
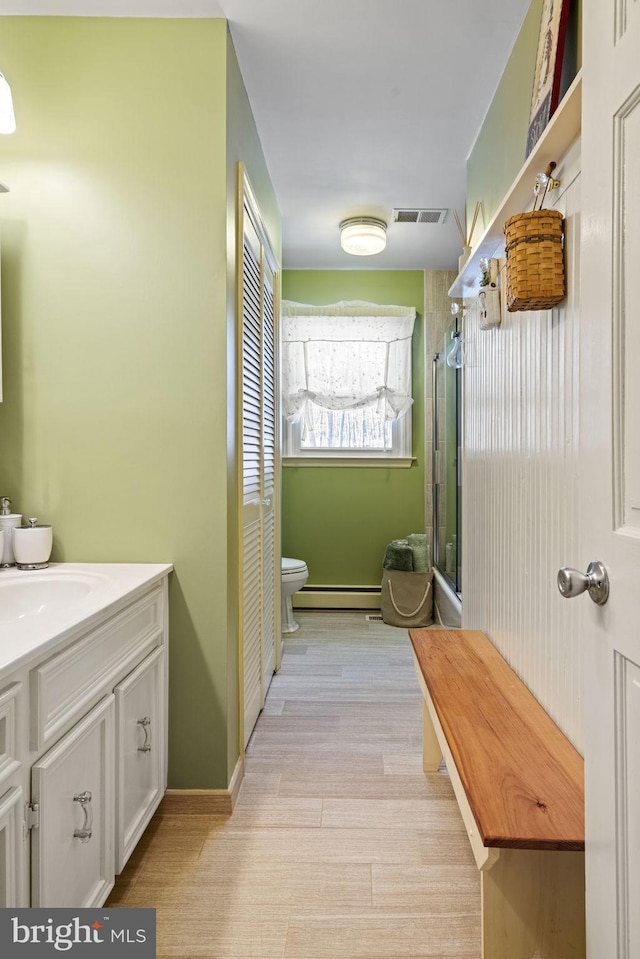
(419,216)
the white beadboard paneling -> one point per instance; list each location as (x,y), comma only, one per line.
(521,490)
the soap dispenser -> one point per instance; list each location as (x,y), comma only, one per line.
(8,522)
(32,545)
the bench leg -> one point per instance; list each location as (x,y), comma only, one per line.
(533,906)
(431,751)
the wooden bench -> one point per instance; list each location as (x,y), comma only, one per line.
(519,785)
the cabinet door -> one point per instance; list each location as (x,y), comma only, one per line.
(141,751)
(11,848)
(73,785)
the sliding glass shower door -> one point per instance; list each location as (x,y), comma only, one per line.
(447,480)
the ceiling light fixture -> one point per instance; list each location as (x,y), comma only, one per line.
(363,235)
(7,117)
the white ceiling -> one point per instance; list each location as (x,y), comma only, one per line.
(361,106)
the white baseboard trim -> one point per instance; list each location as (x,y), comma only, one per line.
(201,802)
(338,597)
(236,781)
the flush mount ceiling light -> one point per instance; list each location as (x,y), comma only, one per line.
(363,235)
(7,118)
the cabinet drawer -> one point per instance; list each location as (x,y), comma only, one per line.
(63,687)
(9,762)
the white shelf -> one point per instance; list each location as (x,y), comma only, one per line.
(561,132)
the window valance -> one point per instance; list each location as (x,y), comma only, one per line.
(346,356)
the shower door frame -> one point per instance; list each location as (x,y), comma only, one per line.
(454,584)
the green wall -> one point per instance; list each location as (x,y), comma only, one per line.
(499,150)
(337,519)
(118,357)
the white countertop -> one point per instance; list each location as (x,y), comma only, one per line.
(26,637)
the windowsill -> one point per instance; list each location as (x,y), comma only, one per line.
(360,462)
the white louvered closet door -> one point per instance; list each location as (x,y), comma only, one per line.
(260,563)
(270,567)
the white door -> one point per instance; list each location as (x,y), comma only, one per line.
(260,574)
(271,579)
(610,470)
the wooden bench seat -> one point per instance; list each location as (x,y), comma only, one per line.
(519,785)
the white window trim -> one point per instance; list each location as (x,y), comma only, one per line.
(400,454)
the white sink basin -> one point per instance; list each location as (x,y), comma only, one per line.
(32,594)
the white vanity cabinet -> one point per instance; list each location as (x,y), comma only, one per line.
(83,752)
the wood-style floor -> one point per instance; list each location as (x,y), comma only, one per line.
(339,847)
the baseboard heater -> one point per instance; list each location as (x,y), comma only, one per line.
(337,597)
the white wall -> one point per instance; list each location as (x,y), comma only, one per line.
(521,491)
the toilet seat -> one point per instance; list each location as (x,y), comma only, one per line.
(291,567)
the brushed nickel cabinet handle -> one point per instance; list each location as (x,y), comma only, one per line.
(145,722)
(84,799)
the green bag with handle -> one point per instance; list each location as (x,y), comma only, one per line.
(406,599)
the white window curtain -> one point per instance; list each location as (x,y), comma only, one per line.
(347,356)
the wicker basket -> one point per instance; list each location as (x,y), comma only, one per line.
(535,266)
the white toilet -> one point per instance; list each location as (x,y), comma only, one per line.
(294,576)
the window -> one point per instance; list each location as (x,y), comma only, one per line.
(346,381)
